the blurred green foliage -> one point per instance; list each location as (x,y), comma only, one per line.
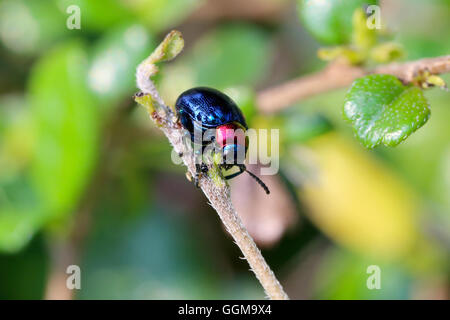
(330,21)
(115,55)
(78,160)
(59,79)
(348,279)
(217,60)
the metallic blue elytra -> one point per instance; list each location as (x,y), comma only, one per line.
(208,107)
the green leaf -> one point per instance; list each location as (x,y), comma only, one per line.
(147,101)
(387,52)
(112,71)
(169,48)
(66,125)
(300,127)
(24,275)
(330,21)
(349,277)
(29,27)
(20,212)
(17,227)
(383,110)
(160,15)
(96,15)
(172,264)
(230,56)
(16,135)
(352,55)
(363,37)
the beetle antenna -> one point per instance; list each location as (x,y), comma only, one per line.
(262,184)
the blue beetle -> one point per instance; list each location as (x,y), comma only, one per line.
(199,109)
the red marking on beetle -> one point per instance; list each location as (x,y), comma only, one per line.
(230,133)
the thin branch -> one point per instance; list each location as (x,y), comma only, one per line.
(408,70)
(214,187)
(338,75)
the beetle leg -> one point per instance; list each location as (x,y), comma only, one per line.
(203,168)
(196,179)
(231,176)
(200,170)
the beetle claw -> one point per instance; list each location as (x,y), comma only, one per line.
(200,170)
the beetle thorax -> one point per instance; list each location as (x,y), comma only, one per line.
(232,140)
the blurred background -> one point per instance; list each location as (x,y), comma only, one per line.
(86,179)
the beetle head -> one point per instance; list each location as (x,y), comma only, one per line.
(233,142)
